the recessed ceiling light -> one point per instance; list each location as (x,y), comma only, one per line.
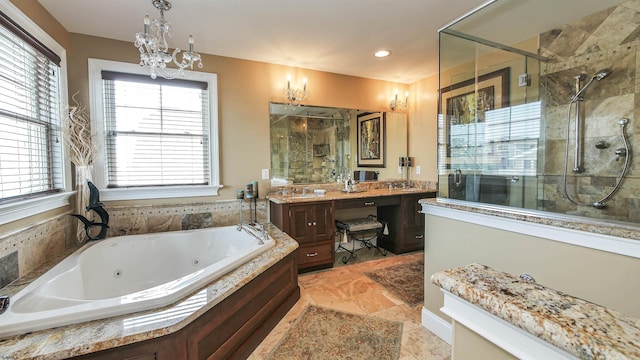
(382,53)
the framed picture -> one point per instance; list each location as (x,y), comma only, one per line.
(371,140)
(460,106)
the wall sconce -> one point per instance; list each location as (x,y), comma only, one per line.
(295,96)
(399,104)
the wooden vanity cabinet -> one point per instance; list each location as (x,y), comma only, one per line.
(311,225)
(405,223)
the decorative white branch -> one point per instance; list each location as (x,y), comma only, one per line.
(77,134)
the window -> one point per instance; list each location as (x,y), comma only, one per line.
(159,137)
(31,92)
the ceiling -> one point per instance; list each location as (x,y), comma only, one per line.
(329,35)
(338,36)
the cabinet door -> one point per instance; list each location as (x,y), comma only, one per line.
(411,210)
(301,223)
(323,221)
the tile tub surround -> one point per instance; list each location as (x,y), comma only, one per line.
(82,338)
(25,249)
(582,328)
(143,219)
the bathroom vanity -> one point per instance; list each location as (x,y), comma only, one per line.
(310,220)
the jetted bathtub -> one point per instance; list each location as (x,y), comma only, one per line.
(130,273)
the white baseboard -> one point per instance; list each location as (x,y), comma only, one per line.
(437,325)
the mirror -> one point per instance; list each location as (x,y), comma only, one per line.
(315,144)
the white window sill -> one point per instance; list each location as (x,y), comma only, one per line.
(160,192)
(23,209)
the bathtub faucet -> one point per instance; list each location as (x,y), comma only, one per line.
(98,207)
(257,231)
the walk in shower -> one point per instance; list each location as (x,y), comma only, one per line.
(538,107)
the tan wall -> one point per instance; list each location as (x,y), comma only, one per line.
(423,128)
(45,21)
(245,89)
(597,276)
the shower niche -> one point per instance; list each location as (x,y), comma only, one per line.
(542,115)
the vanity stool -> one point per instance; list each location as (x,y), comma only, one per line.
(362,230)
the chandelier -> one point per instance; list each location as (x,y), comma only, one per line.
(295,96)
(399,104)
(154,50)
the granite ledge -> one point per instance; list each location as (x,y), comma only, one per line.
(584,329)
(608,227)
(87,337)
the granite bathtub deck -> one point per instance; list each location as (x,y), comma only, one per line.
(88,337)
(584,329)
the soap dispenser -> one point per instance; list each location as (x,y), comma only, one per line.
(348,184)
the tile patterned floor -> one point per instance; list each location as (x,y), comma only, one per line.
(345,288)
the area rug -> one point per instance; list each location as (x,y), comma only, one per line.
(405,281)
(320,333)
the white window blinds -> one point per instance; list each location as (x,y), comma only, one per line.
(157,131)
(30,146)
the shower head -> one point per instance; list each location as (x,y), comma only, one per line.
(597,77)
(601,74)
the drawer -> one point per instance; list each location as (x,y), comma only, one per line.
(413,239)
(367,202)
(315,254)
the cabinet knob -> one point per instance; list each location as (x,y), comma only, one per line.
(314,223)
(309,224)
(312,254)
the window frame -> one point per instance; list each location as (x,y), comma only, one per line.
(96,66)
(21,209)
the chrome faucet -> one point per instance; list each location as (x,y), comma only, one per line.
(257,231)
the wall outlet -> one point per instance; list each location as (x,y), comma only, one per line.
(265,174)
(524,80)
(418,169)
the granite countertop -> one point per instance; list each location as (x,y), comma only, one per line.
(595,226)
(87,337)
(342,195)
(584,329)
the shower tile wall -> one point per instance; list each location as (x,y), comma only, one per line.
(608,39)
(25,249)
